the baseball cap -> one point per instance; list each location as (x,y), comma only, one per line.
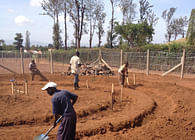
(48,85)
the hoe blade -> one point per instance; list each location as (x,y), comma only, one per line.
(41,137)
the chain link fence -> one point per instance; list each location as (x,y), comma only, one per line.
(159,61)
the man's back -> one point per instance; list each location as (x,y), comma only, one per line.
(75,61)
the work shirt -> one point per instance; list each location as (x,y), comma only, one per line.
(75,61)
(61,102)
(123,69)
(32,66)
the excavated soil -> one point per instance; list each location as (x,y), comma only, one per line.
(154,108)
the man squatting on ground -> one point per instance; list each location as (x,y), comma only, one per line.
(35,71)
(62,105)
(75,63)
(123,72)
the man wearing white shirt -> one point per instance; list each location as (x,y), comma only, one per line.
(75,63)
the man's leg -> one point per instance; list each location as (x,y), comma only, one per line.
(76,80)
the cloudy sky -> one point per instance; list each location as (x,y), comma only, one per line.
(17,16)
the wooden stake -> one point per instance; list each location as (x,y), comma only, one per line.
(51,61)
(148,62)
(128,81)
(12,87)
(182,62)
(134,79)
(26,88)
(121,93)
(112,96)
(87,84)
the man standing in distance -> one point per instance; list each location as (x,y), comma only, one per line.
(123,72)
(62,105)
(75,63)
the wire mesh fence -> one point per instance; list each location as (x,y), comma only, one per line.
(159,61)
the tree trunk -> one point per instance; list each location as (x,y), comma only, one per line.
(112,20)
(65,28)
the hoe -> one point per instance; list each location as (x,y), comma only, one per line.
(45,136)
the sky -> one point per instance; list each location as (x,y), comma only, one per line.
(18,16)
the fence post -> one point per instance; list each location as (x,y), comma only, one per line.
(182,62)
(148,62)
(121,57)
(22,61)
(51,61)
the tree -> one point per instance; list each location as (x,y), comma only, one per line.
(127,8)
(19,41)
(76,10)
(136,34)
(2,43)
(167,16)
(27,42)
(53,9)
(111,35)
(57,40)
(100,14)
(91,17)
(183,22)
(145,9)
(65,24)
(191,29)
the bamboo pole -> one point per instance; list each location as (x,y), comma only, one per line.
(182,62)
(148,62)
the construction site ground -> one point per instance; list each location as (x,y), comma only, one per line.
(154,108)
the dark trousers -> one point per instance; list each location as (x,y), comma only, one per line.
(37,72)
(76,80)
(67,128)
(122,79)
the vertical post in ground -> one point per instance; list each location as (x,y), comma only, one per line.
(182,62)
(12,87)
(148,62)
(112,92)
(26,87)
(22,61)
(121,93)
(134,79)
(121,57)
(51,61)
(87,84)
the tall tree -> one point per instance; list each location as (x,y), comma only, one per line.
(145,9)
(167,16)
(113,5)
(91,17)
(18,41)
(27,41)
(76,11)
(53,9)
(100,14)
(65,24)
(191,29)
(128,9)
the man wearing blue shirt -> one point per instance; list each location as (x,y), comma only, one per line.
(62,105)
